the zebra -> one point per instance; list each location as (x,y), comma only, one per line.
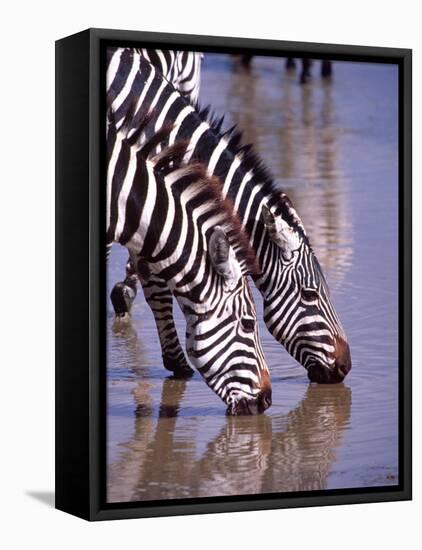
(298,310)
(176,226)
(305,75)
(183,70)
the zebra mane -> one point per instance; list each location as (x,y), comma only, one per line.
(250,159)
(253,162)
(207,189)
(193,174)
(208,192)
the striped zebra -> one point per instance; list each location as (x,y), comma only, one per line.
(176,226)
(298,310)
(183,70)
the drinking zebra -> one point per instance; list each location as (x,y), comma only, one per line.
(297,307)
(176,226)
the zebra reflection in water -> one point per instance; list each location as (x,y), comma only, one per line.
(283,453)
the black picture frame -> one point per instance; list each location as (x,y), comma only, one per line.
(80,275)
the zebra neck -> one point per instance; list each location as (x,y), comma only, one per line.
(244,180)
(268,256)
(130,77)
(171,237)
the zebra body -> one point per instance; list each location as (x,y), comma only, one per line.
(176,227)
(180,68)
(183,70)
(297,308)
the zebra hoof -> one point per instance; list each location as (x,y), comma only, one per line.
(180,369)
(250,406)
(122,297)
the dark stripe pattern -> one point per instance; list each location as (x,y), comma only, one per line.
(297,308)
(168,214)
(181,68)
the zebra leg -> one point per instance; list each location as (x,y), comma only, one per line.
(160,300)
(246,60)
(326,68)
(290,63)
(306,70)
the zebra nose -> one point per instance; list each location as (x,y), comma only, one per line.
(251,406)
(256,405)
(343,362)
(320,373)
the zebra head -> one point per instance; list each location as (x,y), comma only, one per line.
(297,307)
(222,338)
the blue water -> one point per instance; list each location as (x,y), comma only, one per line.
(333,147)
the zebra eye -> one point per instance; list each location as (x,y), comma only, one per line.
(248,324)
(309,295)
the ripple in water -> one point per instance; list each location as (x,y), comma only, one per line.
(333,147)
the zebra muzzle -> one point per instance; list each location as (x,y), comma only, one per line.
(321,374)
(247,406)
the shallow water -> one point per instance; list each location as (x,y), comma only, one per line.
(333,146)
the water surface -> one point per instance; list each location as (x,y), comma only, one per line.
(333,147)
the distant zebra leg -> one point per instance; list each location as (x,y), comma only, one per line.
(290,63)
(306,70)
(160,300)
(326,68)
(246,60)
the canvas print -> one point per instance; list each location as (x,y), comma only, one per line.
(252,274)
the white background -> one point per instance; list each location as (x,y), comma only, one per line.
(27,274)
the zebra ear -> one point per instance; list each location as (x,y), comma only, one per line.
(280,232)
(223,257)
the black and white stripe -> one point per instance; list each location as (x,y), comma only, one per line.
(183,70)
(177,227)
(180,68)
(297,307)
